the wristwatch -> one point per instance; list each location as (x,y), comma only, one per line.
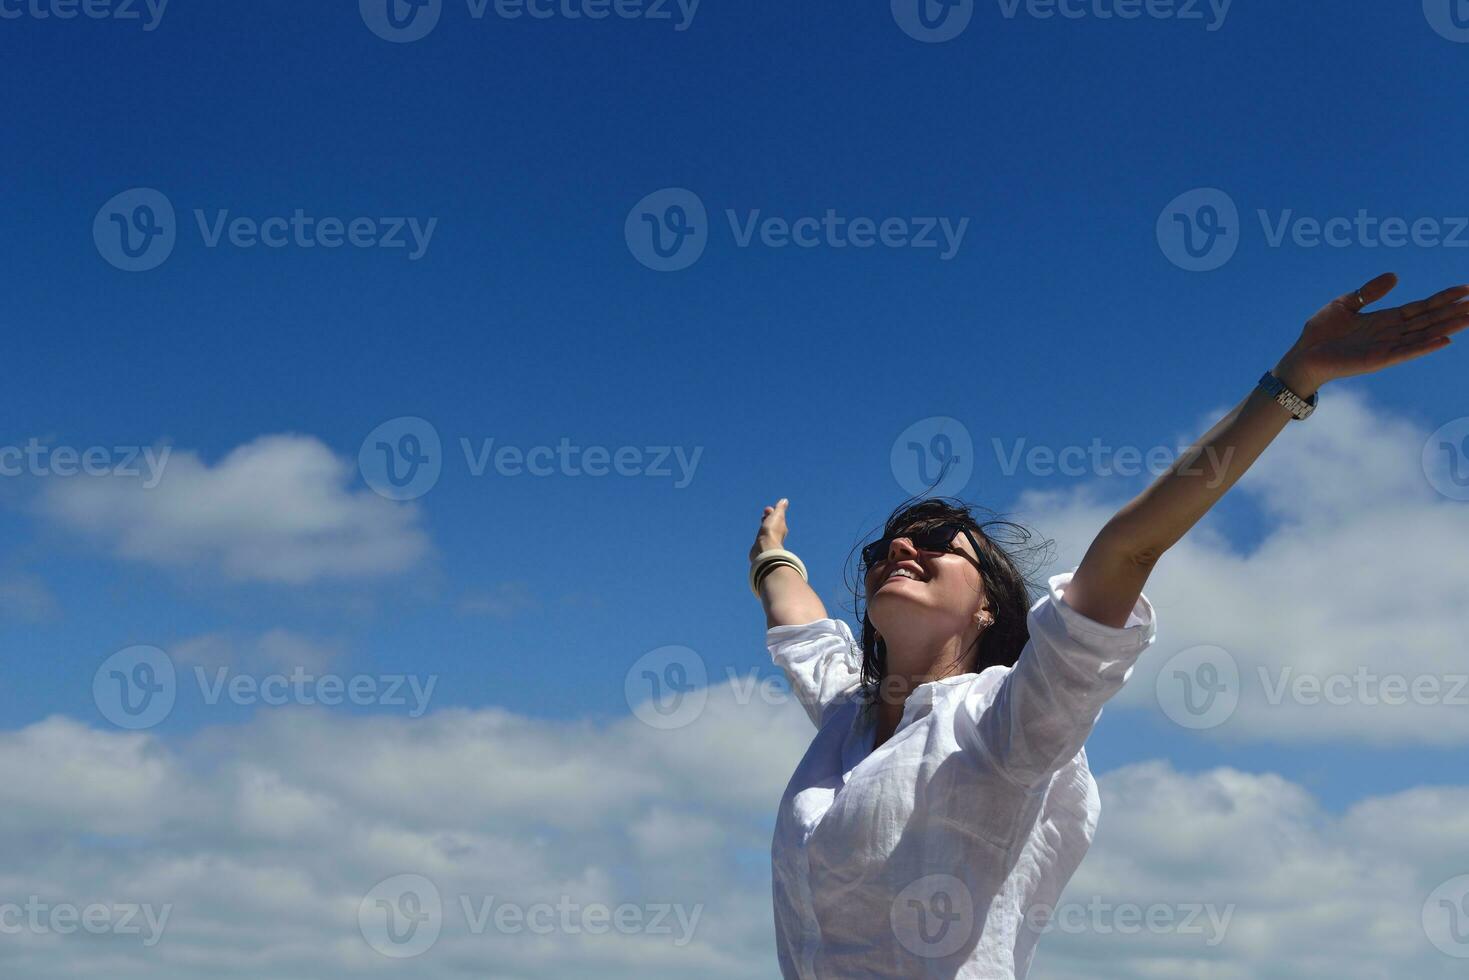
(1300,408)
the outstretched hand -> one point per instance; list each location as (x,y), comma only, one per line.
(772,533)
(1341,340)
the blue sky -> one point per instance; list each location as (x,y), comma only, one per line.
(1059,318)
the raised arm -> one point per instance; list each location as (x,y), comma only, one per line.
(818,655)
(1338,342)
(1086,637)
(787,599)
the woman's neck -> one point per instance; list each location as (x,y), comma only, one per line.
(895,687)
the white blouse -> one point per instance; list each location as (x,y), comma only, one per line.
(940,853)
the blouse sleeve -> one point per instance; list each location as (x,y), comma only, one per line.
(1041,712)
(820,660)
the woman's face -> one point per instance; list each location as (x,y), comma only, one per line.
(943,588)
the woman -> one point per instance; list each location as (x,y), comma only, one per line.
(945,800)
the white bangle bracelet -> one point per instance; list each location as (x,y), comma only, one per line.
(774,556)
(764,571)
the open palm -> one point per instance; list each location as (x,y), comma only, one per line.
(1341,340)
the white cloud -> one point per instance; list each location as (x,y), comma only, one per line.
(1302,892)
(1356,581)
(274,650)
(278,509)
(265,838)
(58,775)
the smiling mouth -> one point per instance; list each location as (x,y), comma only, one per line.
(903,573)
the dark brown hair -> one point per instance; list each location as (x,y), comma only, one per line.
(1001,544)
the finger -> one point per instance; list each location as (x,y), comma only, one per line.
(1410,349)
(1442,330)
(1434,320)
(1435,302)
(1370,293)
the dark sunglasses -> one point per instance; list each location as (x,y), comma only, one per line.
(938,538)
